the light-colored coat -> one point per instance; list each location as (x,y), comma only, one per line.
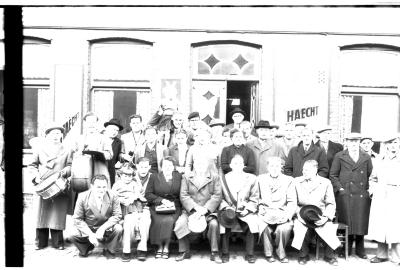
(129,144)
(384,219)
(206,192)
(278,195)
(87,216)
(262,153)
(248,195)
(52,212)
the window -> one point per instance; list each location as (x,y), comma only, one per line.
(37,99)
(121,71)
(369,90)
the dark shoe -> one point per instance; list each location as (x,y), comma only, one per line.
(303,260)
(378,260)
(183,255)
(60,248)
(250,258)
(270,259)
(108,254)
(84,255)
(362,256)
(215,257)
(225,257)
(126,257)
(284,260)
(141,255)
(331,261)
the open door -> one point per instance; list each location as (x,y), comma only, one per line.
(209,99)
(254,105)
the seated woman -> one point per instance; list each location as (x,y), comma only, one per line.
(162,194)
(240,194)
(200,196)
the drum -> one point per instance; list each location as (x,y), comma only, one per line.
(81,172)
(51,186)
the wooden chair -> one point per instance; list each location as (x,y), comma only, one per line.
(343,235)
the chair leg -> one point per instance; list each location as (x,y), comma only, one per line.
(346,249)
(317,247)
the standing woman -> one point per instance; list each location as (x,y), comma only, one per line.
(384,220)
(163,191)
(179,150)
(51,157)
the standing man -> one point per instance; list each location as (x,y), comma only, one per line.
(237,116)
(288,139)
(96,218)
(265,146)
(247,129)
(349,174)
(366,144)
(194,125)
(306,150)
(113,127)
(133,139)
(330,147)
(239,148)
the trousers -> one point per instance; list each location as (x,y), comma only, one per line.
(305,248)
(282,236)
(136,227)
(249,240)
(57,238)
(212,236)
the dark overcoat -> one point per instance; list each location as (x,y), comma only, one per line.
(333,149)
(352,205)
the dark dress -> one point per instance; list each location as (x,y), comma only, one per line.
(157,189)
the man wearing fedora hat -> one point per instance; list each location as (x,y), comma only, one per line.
(237,115)
(350,172)
(315,211)
(264,146)
(113,127)
(324,141)
(276,208)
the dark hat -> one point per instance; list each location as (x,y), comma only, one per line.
(365,137)
(300,124)
(115,122)
(391,138)
(310,214)
(53,125)
(237,110)
(216,122)
(193,115)
(263,124)
(227,217)
(325,128)
(353,136)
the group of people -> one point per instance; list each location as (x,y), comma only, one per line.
(178,179)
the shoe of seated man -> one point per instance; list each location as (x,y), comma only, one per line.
(182,256)
(250,258)
(84,255)
(303,260)
(141,255)
(378,260)
(108,254)
(126,257)
(270,259)
(215,257)
(225,257)
(331,261)
(284,260)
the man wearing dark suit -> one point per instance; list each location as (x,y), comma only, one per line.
(113,127)
(96,216)
(324,141)
(306,150)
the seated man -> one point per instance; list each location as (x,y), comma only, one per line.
(315,211)
(96,216)
(130,191)
(276,209)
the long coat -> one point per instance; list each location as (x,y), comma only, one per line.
(354,204)
(249,195)
(297,157)
(262,153)
(52,212)
(116,146)
(384,219)
(205,192)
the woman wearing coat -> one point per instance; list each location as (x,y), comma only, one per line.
(163,188)
(179,150)
(349,174)
(245,192)
(384,219)
(50,158)
(200,196)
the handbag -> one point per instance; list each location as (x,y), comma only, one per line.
(163,209)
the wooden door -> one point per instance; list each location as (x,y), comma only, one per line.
(209,99)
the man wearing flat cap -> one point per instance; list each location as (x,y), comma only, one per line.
(366,144)
(194,125)
(265,146)
(113,127)
(350,172)
(324,141)
(314,192)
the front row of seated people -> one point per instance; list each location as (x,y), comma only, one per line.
(157,206)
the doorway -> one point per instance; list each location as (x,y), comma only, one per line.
(241,94)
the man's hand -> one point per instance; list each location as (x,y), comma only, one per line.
(64,172)
(322,221)
(99,234)
(243,212)
(262,210)
(201,210)
(93,239)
